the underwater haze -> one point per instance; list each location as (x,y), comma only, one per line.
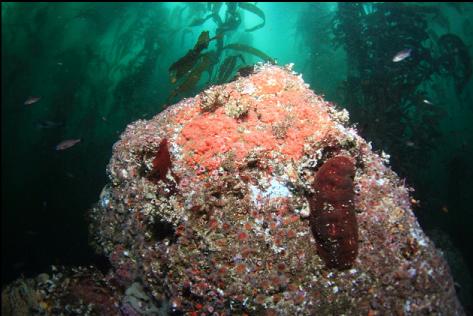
(74,75)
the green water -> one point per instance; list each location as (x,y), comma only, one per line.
(98,67)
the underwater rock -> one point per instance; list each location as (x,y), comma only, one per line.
(73,291)
(458,265)
(233,236)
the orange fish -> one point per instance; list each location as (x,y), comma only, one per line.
(65,144)
(415,202)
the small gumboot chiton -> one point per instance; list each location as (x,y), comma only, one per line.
(161,162)
(332,215)
(161,167)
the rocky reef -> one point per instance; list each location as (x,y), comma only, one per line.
(208,212)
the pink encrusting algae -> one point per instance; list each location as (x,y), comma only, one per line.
(209,207)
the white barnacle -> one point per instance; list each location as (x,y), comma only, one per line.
(407,306)
(305,212)
(105,197)
(104,201)
(418,235)
(385,157)
(248,89)
(380,182)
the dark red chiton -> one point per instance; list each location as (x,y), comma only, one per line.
(161,162)
(161,166)
(332,213)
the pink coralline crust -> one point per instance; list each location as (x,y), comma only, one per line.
(206,137)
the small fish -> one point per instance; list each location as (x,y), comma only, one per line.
(65,144)
(32,100)
(59,63)
(403,54)
(415,202)
(48,124)
(410,144)
(445,209)
(427,102)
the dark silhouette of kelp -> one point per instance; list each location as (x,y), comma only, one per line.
(390,99)
(186,71)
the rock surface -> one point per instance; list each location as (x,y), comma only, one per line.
(207,208)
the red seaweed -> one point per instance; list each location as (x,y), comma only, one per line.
(332,214)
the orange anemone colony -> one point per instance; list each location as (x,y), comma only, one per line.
(278,122)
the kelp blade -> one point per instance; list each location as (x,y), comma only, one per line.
(250,50)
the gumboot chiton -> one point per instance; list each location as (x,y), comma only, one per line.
(161,166)
(162,162)
(332,214)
